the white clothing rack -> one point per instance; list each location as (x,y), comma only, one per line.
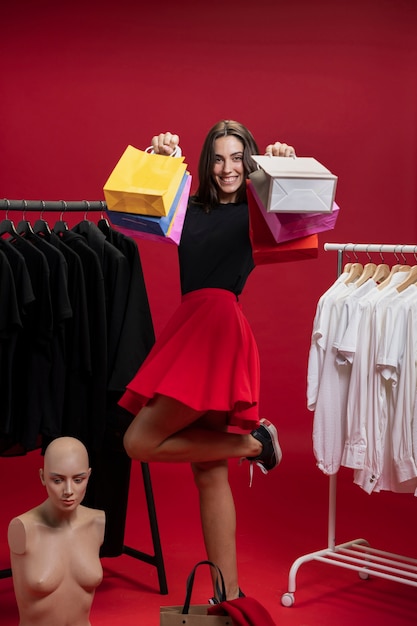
(357,554)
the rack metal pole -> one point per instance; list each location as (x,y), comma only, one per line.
(52,205)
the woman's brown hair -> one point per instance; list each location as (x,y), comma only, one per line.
(207,193)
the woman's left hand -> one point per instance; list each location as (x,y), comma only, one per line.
(280,149)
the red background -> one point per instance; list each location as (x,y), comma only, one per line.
(337,79)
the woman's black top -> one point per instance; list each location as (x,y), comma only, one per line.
(215,249)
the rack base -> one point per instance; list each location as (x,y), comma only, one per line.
(357,555)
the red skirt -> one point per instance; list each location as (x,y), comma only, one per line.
(206,357)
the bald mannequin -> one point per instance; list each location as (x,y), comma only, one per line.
(54,548)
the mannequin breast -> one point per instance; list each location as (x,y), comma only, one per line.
(56,569)
(59,557)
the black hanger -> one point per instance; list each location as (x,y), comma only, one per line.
(41,226)
(7,227)
(24,227)
(87,208)
(103,222)
(61,226)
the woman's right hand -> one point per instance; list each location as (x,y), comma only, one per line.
(280,149)
(165,143)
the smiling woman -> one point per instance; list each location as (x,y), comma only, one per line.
(202,375)
(54,547)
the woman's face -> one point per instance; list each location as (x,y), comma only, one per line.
(228,170)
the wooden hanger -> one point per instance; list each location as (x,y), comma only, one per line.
(409,280)
(367,273)
(348,266)
(381,273)
(354,273)
(394,269)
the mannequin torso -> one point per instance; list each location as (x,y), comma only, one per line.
(55,560)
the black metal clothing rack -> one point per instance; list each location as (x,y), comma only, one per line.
(52,205)
(156,559)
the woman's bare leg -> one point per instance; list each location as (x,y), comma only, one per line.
(218,520)
(166,430)
(217,509)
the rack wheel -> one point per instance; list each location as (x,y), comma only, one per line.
(287,599)
(363,574)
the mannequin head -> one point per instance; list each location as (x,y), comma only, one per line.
(65,473)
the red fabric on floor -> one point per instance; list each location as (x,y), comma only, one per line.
(244,612)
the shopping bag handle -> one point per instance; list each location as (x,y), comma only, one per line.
(220,590)
(290,156)
(176,153)
(269,154)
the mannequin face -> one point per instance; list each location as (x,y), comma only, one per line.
(65,473)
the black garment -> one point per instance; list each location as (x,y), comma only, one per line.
(116,275)
(77,344)
(215,249)
(10,325)
(53,387)
(24,291)
(91,430)
(33,353)
(10,384)
(137,332)
(108,486)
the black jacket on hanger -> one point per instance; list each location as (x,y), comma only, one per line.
(108,487)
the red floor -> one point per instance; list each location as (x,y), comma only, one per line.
(283,516)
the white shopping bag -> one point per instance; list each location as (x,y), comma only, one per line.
(293,185)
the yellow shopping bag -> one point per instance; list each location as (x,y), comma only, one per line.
(144,183)
(167,229)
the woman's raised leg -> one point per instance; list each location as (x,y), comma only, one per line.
(166,430)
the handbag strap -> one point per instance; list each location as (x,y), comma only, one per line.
(220,588)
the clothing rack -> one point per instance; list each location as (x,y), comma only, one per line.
(86,206)
(357,554)
(52,205)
